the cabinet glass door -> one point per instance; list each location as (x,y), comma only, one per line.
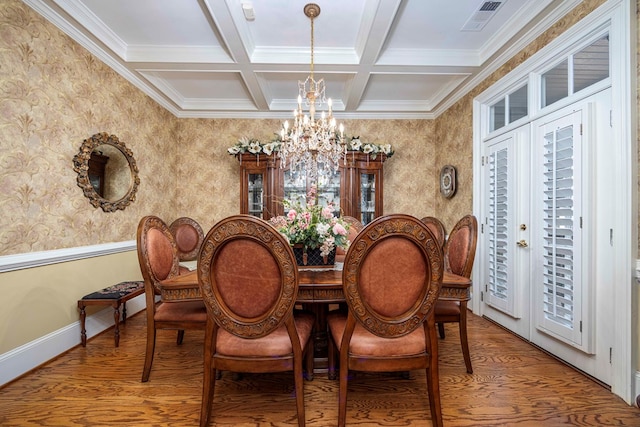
(329,189)
(255,194)
(367,197)
(297,185)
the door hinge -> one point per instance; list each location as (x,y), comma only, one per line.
(610,118)
(580,129)
(481,228)
(580,222)
(481,296)
(482,160)
(610,354)
(611,236)
(581,326)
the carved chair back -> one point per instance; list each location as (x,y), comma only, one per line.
(157,252)
(437,228)
(249,283)
(460,248)
(189,236)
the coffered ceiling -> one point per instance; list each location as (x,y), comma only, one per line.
(379,58)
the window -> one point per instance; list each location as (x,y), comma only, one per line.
(507,110)
(578,71)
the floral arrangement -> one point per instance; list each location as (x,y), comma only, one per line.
(311,225)
(354,144)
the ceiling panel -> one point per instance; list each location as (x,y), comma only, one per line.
(379,58)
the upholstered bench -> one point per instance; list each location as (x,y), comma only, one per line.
(115,296)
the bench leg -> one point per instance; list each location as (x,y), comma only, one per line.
(116,320)
(83,331)
(124,312)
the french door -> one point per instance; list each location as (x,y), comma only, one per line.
(545,254)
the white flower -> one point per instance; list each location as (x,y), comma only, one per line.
(268,149)
(255,147)
(322,228)
(244,141)
(386,148)
(355,144)
(233,150)
(368,148)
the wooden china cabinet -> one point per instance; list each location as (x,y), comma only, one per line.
(356,188)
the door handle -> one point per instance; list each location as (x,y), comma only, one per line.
(522,243)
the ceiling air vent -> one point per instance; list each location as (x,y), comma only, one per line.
(480,17)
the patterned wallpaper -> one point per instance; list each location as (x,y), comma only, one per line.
(54,94)
(208,177)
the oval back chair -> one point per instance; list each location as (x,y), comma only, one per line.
(250,300)
(188,236)
(391,280)
(158,259)
(459,254)
(437,228)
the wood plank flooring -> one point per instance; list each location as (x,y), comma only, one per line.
(513,384)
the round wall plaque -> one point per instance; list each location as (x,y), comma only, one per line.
(448,181)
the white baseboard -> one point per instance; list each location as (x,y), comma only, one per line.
(29,356)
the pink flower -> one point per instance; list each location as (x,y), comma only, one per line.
(327,212)
(339,230)
(292,214)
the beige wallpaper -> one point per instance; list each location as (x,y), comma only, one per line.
(208,177)
(54,94)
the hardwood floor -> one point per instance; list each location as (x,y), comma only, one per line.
(513,384)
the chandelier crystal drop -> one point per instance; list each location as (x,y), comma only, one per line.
(312,143)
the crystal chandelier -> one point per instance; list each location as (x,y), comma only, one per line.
(312,143)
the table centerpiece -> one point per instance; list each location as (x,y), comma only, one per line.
(312,230)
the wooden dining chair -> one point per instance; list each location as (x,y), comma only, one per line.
(188,236)
(437,228)
(459,254)
(355,226)
(251,325)
(391,281)
(157,256)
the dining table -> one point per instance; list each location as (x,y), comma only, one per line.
(318,290)
(315,286)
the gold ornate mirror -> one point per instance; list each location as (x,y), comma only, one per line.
(107,172)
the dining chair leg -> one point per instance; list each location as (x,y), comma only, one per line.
(433,379)
(299,386)
(441,330)
(464,342)
(209,376)
(148,356)
(331,358)
(342,393)
(308,352)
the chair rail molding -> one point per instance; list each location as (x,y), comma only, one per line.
(38,259)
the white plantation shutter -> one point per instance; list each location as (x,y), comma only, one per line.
(558,277)
(499,170)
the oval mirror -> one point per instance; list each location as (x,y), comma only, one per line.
(107,172)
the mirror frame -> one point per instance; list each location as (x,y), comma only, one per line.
(81,166)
